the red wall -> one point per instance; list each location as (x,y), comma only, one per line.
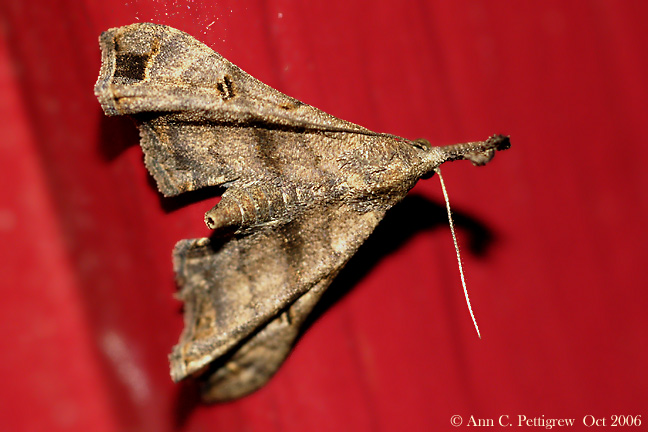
(553,231)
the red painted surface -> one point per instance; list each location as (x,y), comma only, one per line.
(558,289)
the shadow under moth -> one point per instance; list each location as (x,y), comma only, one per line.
(303,190)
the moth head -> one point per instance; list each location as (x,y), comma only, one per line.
(478,152)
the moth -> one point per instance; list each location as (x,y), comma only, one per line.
(303,190)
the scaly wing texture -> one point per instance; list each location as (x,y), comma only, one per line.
(306,187)
(250,295)
(179,89)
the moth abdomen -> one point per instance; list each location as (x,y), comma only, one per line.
(243,208)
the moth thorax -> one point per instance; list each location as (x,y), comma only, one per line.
(242,208)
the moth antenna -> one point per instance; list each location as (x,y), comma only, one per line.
(456,245)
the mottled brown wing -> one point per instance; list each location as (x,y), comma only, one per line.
(303,191)
(315,188)
(246,298)
(179,89)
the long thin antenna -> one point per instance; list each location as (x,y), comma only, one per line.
(456,245)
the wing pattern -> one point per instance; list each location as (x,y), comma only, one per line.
(303,191)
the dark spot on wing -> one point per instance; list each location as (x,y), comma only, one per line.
(267,149)
(131,66)
(293,245)
(226,87)
(291,105)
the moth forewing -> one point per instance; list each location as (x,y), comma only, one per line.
(304,191)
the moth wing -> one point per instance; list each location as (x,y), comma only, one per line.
(204,122)
(245,299)
(255,361)
(178,89)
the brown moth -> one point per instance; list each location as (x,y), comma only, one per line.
(303,191)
